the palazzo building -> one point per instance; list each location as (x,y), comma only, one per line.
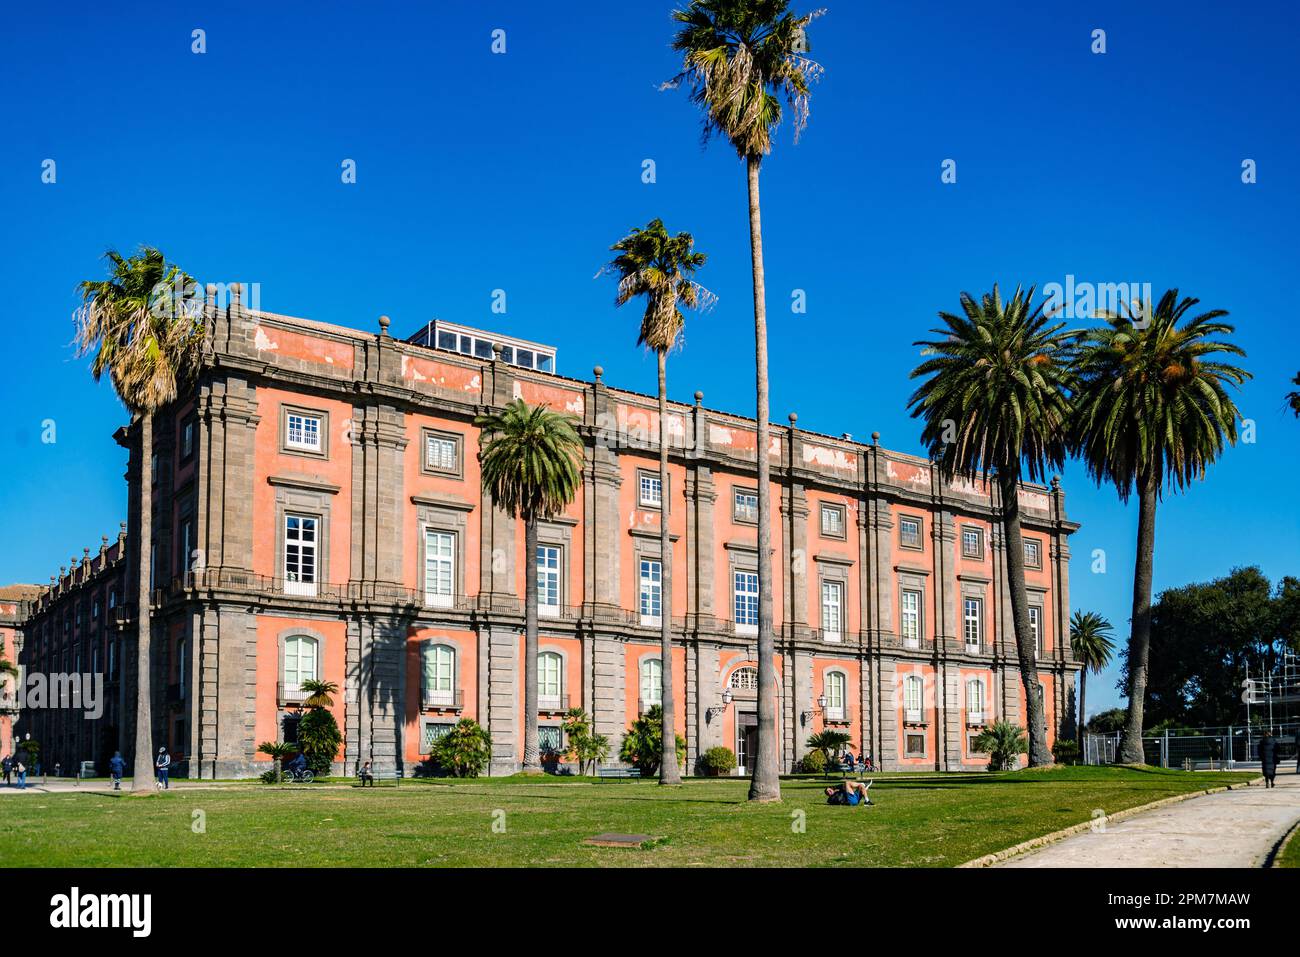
(318,513)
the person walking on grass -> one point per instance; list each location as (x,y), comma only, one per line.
(161,765)
(1268,759)
(115,768)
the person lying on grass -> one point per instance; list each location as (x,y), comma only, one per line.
(851,793)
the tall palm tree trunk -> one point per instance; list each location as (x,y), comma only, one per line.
(532,761)
(142,783)
(668,770)
(1139,646)
(1083,701)
(1039,754)
(766,783)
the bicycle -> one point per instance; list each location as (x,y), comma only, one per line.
(290,776)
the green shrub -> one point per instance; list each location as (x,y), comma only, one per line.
(643,745)
(1002,741)
(1065,751)
(814,762)
(464,751)
(587,748)
(319,738)
(718,761)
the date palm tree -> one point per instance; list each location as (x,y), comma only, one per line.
(1152,410)
(1094,647)
(741,59)
(653,264)
(1293,398)
(319,693)
(995,401)
(143,328)
(531,466)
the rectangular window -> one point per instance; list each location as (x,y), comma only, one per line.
(187,439)
(909,532)
(832,521)
(439,568)
(651,592)
(1033,553)
(433,730)
(972,543)
(550,739)
(975,701)
(972,623)
(971,738)
(835,695)
(746,506)
(548,680)
(1036,628)
(439,674)
(441,453)
(911,618)
(915,744)
(651,490)
(289,724)
(746,601)
(300,544)
(548,580)
(832,610)
(303,432)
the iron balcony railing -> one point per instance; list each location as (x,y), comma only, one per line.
(442,700)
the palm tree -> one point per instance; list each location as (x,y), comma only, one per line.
(531,467)
(740,59)
(278,750)
(1293,398)
(1152,408)
(319,693)
(1090,638)
(995,402)
(147,340)
(653,264)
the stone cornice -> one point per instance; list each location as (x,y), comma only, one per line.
(312,483)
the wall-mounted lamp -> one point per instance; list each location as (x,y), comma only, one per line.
(719,709)
(806,716)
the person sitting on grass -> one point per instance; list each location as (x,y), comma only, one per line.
(851,793)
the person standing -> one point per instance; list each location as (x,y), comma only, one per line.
(1268,759)
(116,766)
(7,764)
(161,765)
(21,769)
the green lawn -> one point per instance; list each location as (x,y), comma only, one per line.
(928,820)
(1290,856)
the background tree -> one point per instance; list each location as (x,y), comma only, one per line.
(464,751)
(530,458)
(1293,398)
(740,60)
(318,731)
(587,748)
(995,402)
(143,328)
(1152,411)
(1093,646)
(1003,742)
(278,750)
(653,264)
(643,744)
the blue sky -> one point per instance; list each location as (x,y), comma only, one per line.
(479,171)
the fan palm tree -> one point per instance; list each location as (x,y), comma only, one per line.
(1090,638)
(994,401)
(653,264)
(319,693)
(147,340)
(1152,410)
(278,750)
(740,60)
(530,458)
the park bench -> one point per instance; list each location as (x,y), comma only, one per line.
(383,777)
(618,772)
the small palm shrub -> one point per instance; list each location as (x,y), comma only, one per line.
(587,748)
(829,743)
(1003,742)
(718,761)
(464,751)
(643,744)
(814,762)
(278,750)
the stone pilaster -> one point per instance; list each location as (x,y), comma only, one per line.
(503,696)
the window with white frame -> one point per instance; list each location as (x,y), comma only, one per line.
(913,698)
(650,490)
(975,701)
(548,580)
(439,568)
(652,591)
(441,452)
(972,542)
(745,591)
(1036,628)
(832,521)
(1033,553)
(745,506)
(972,622)
(652,683)
(438,675)
(909,532)
(302,431)
(300,553)
(301,662)
(832,610)
(550,680)
(836,694)
(910,617)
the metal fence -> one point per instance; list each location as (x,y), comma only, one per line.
(1195,749)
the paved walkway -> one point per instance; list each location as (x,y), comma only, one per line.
(55,785)
(1235,828)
